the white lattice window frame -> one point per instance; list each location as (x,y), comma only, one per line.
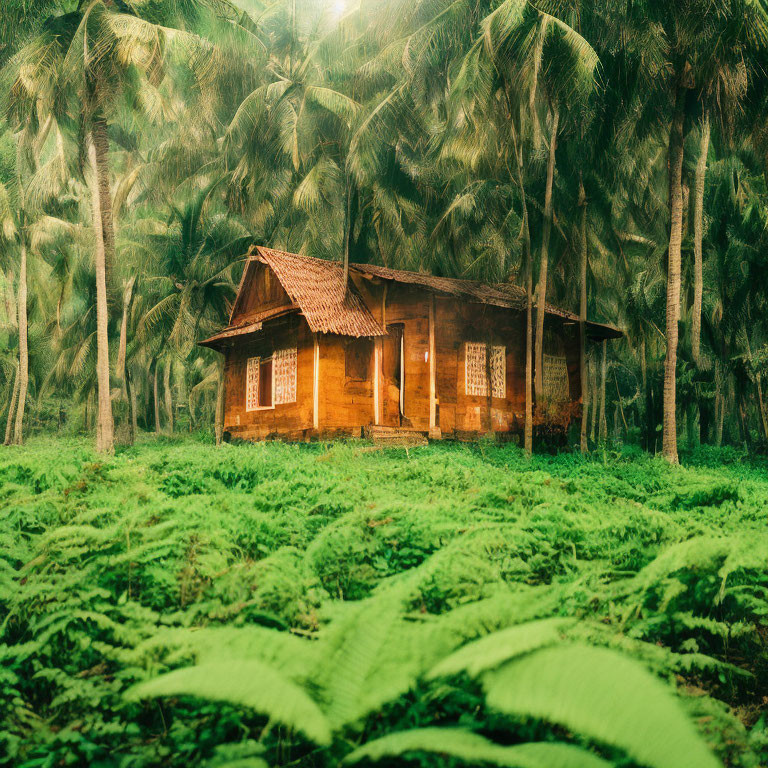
(499,371)
(475,370)
(284,366)
(252,384)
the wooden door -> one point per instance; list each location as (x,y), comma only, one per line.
(392,376)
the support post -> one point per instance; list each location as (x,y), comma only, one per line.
(434,430)
(316,386)
(376,379)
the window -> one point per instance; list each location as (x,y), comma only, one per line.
(357,359)
(270,380)
(285,376)
(265,383)
(252,384)
(555,379)
(476,370)
(554,369)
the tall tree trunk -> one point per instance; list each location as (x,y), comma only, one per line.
(123,345)
(698,233)
(646,394)
(168,394)
(120,368)
(743,420)
(603,372)
(105,440)
(584,444)
(12,409)
(134,407)
(676,145)
(219,416)
(350,213)
(528,259)
(156,398)
(130,399)
(101,142)
(528,441)
(719,405)
(23,375)
(541,288)
(595,399)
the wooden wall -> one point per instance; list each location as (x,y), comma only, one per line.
(260,292)
(289,419)
(457,323)
(347,403)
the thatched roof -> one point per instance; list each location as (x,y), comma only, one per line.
(316,287)
(316,290)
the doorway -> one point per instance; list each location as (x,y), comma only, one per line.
(393,376)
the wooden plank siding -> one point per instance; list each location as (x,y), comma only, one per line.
(293,420)
(343,400)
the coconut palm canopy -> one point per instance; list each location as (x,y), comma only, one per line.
(606,158)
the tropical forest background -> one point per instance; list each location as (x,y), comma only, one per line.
(609,155)
(169,601)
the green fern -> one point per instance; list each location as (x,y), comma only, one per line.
(248,683)
(472,748)
(499,647)
(604,696)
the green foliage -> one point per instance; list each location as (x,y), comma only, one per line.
(179,604)
(472,748)
(248,683)
(578,687)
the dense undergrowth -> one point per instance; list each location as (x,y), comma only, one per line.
(179,604)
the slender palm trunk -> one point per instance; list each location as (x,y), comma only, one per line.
(156,398)
(528,261)
(123,345)
(584,443)
(168,394)
(595,399)
(23,375)
(719,405)
(528,257)
(676,139)
(134,408)
(528,441)
(541,288)
(744,421)
(603,372)
(120,368)
(12,410)
(105,441)
(101,142)
(219,417)
(698,231)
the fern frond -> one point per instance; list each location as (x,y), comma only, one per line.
(495,649)
(605,696)
(472,748)
(249,683)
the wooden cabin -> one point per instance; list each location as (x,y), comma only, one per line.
(397,350)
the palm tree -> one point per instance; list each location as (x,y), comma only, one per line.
(687,52)
(187,283)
